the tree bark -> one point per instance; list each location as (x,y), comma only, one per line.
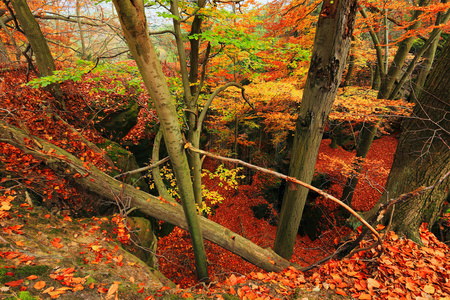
(44,59)
(80,29)
(95,181)
(193,135)
(423,155)
(133,20)
(331,46)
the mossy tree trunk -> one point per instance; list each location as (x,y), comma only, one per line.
(423,155)
(134,24)
(331,47)
(38,43)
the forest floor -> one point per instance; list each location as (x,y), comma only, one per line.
(49,256)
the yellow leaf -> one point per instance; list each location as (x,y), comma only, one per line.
(96,247)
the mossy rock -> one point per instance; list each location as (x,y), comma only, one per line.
(116,125)
(145,238)
(124,161)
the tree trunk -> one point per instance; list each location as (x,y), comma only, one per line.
(96,182)
(351,66)
(331,46)
(133,20)
(190,100)
(423,155)
(365,140)
(44,59)
(80,29)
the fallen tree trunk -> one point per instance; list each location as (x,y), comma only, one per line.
(101,184)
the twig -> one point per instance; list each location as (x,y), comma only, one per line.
(160,162)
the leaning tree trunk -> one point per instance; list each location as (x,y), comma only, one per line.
(92,180)
(423,155)
(331,46)
(38,43)
(133,20)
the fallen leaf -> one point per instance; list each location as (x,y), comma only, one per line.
(365,296)
(31,277)
(112,290)
(19,243)
(48,290)
(429,289)
(14,283)
(39,285)
(372,283)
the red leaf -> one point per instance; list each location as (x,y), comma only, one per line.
(14,283)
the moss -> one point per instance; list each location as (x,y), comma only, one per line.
(90,280)
(230,297)
(22,296)
(124,161)
(21,273)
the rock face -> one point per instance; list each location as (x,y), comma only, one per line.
(146,240)
(116,125)
(124,161)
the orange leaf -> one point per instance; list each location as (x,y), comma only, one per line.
(112,289)
(56,243)
(48,290)
(31,277)
(340,292)
(365,296)
(39,285)
(372,283)
(19,243)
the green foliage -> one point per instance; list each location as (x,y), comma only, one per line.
(122,77)
(24,295)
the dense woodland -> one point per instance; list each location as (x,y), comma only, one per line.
(224,149)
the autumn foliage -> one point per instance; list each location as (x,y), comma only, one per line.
(271,59)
